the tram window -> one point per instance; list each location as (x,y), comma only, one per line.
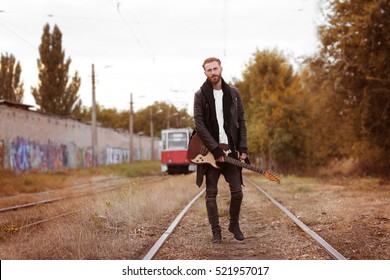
(177,140)
(164,140)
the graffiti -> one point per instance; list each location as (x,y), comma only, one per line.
(116,156)
(63,144)
(21,155)
(84,157)
(2,154)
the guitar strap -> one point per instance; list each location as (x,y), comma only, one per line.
(192,135)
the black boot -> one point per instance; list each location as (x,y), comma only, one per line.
(234,211)
(217,237)
(235,229)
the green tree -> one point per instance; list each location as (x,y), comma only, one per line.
(55,94)
(161,114)
(355,48)
(11,88)
(106,117)
(112,118)
(275,109)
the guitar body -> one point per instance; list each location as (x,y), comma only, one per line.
(199,154)
(208,158)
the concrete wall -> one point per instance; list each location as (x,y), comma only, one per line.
(31,140)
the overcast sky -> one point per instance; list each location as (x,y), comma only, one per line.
(154,48)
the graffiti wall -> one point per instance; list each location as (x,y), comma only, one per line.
(23,155)
(32,140)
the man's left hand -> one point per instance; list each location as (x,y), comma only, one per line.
(242,156)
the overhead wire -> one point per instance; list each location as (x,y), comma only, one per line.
(129,28)
(146,48)
(225,27)
(136,31)
(16,34)
(186,21)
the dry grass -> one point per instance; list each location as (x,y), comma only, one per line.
(31,182)
(351,214)
(114,225)
(343,167)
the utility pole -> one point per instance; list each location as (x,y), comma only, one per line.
(151,132)
(94,131)
(168,117)
(140,145)
(131,132)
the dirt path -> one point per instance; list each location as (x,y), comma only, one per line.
(353,216)
(269,234)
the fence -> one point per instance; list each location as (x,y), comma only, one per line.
(31,140)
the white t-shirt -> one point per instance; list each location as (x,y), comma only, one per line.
(218,94)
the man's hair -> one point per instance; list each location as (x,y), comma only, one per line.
(211,59)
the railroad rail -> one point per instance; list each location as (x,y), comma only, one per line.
(101,184)
(336,255)
(171,228)
(326,246)
(161,241)
(79,188)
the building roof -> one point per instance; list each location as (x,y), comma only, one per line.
(7,103)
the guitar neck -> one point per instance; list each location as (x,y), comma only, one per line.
(243,164)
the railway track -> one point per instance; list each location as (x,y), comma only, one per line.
(68,193)
(310,233)
(195,231)
(77,191)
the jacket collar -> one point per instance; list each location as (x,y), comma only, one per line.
(207,91)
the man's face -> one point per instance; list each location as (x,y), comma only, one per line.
(213,72)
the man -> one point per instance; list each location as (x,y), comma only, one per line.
(219,119)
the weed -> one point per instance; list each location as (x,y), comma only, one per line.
(96,220)
(11,184)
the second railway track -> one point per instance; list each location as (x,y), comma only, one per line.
(34,199)
(126,224)
(192,240)
(20,221)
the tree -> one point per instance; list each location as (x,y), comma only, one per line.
(355,48)
(164,115)
(275,109)
(11,88)
(161,114)
(55,94)
(106,117)
(330,129)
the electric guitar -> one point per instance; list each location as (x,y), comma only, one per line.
(199,154)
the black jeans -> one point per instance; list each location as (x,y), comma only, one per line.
(232,176)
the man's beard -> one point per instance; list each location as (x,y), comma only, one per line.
(215,79)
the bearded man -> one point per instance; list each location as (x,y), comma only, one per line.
(219,119)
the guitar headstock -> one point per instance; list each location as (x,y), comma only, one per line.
(273,176)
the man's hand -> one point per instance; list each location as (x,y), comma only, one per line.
(220,159)
(242,156)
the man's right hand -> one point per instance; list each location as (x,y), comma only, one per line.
(220,159)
